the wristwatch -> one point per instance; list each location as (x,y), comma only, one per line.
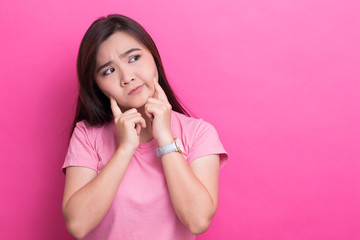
(174,146)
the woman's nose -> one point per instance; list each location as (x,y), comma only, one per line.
(126,77)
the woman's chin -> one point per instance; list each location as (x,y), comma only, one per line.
(139,107)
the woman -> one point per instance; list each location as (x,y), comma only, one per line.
(137,167)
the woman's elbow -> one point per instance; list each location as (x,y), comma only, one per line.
(73,226)
(75,230)
(199,223)
(200,226)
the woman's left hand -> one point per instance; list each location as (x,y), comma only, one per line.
(158,109)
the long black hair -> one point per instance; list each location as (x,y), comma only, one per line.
(92,105)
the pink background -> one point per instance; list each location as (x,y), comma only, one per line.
(278,79)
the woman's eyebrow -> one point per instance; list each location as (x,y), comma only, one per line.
(121,56)
(103,66)
(129,51)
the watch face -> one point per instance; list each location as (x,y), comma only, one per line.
(158,152)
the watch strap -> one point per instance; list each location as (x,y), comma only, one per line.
(174,146)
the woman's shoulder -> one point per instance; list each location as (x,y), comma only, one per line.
(198,137)
(187,123)
(92,130)
(184,119)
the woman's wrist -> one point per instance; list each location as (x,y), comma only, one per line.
(126,149)
(165,139)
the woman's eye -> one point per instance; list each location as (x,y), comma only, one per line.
(109,71)
(134,58)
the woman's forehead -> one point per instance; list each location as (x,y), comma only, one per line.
(119,43)
(121,40)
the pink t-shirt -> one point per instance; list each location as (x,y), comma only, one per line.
(141,208)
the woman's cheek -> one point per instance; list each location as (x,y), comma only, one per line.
(104,90)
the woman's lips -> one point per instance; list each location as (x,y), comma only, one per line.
(136,90)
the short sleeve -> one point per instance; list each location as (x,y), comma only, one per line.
(206,142)
(81,151)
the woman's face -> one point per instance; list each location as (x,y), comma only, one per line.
(125,70)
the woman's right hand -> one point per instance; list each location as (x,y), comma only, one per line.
(128,126)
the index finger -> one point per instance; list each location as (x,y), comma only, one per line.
(115,107)
(159,92)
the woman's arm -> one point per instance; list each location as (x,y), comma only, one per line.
(88,196)
(193,189)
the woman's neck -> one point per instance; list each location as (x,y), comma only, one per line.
(145,133)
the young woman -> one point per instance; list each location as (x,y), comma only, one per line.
(137,167)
